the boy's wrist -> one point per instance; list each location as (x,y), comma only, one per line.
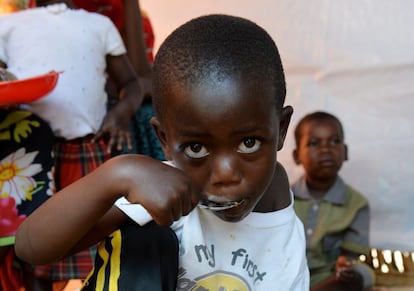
(122,173)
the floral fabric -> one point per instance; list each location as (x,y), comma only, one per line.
(26,168)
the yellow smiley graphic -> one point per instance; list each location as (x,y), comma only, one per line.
(221,281)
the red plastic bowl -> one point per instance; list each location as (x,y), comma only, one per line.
(27,90)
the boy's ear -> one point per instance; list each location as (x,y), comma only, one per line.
(284,125)
(159,132)
(295,155)
(346,152)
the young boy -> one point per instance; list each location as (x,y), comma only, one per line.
(219,90)
(336,216)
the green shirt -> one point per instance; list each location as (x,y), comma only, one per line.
(338,221)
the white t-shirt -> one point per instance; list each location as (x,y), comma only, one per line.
(39,40)
(264,251)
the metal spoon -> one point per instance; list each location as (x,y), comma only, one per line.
(218,206)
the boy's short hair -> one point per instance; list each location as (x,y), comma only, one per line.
(217,46)
(317,115)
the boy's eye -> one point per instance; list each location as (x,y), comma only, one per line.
(313,143)
(336,141)
(195,151)
(249,145)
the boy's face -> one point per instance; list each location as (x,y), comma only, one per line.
(225,136)
(321,149)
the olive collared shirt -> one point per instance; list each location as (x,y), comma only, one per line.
(338,221)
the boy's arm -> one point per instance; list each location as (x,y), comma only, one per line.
(110,222)
(356,238)
(57,226)
(78,215)
(117,121)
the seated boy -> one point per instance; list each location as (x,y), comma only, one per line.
(336,216)
(218,91)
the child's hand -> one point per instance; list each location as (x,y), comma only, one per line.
(164,191)
(6,75)
(346,273)
(116,125)
(342,264)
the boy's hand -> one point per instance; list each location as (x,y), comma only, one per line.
(164,191)
(346,273)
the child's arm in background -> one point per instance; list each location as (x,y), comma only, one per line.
(134,39)
(119,69)
(77,215)
(117,121)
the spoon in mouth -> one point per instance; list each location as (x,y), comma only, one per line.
(218,206)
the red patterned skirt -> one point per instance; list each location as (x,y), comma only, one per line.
(73,160)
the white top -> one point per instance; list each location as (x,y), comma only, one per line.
(37,41)
(264,251)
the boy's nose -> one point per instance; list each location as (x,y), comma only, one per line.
(326,146)
(225,171)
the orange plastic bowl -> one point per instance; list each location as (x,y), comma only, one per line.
(27,90)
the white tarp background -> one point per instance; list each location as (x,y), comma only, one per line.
(355,59)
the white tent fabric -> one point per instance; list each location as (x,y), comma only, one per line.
(355,59)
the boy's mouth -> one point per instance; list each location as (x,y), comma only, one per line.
(219,206)
(326,163)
